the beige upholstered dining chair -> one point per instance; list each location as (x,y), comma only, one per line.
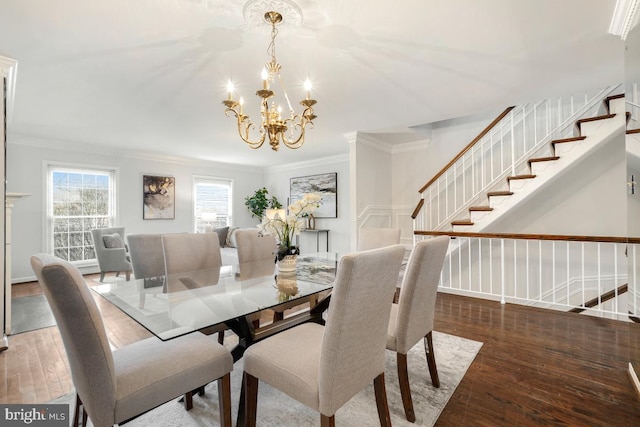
(147,256)
(376,237)
(323,367)
(256,257)
(256,253)
(111,251)
(147,259)
(113,387)
(412,318)
(192,261)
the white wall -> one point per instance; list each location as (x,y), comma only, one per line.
(277,179)
(25,169)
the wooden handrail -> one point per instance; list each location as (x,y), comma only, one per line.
(467,148)
(558,237)
(415,212)
(601,299)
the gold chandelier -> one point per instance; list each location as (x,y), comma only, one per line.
(272,123)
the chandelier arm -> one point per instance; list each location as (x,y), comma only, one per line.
(244,133)
(299,122)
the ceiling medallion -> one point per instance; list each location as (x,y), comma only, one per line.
(254,12)
(273,123)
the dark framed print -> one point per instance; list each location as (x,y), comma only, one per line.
(159,197)
(324,184)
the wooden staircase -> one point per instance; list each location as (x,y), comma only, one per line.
(555,145)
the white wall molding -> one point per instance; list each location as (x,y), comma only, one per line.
(323,161)
(9,70)
(38,142)
(373,142)
(410,146)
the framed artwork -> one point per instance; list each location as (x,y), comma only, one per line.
(325,184)
(158,197)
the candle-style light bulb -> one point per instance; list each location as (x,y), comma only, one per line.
(307,87)
(279,112)
(241,104)
(230,89)
(265,79)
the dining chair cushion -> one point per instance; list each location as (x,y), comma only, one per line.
(183,365)
(295,370)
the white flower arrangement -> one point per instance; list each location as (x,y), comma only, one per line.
(285,226)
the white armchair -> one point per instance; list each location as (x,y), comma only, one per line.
(111,251)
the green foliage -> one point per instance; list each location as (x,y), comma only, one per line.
(260,202)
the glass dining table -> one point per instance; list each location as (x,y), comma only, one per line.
(178,304)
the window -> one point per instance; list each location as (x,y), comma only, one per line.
(211,202)
(78,200)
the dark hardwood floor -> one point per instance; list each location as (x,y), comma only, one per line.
(536,367)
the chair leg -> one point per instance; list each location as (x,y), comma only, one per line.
(326,421)
(381,401)
(224,400)
(117,274)
(188,400)
(76,413)
(84,417)
(250,399)
(128,275)
(102,276)
(431,360)
(221,337)
(405,390)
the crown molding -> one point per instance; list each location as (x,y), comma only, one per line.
(331,160)
(53,144)
(623,17)
(9,70)
(410,146)
(373,142)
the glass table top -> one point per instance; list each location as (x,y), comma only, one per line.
(178,304)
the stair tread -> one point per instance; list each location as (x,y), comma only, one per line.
(544,159)
(526,176)
(593,119)
(572,139)
(500,193)
(481,208)
(632,131)
(461,222)
(610,97)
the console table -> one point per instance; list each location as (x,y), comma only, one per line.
(317,234)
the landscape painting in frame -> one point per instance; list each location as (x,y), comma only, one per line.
(159,196)
(325,184)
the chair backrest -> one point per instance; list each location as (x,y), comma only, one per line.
(147,256)
(354,343)
(375,237)
(416,304)
(83,334)
(192,259)
(256,254)
(254,247)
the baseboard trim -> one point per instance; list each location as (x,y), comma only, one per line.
(634,379)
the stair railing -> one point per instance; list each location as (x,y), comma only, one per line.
(501,150)
(571,273)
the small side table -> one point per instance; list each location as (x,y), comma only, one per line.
(317,233)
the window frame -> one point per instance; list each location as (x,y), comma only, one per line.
(197,179)
(49,167)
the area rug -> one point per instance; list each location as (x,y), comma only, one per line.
(454,355)
(29,313)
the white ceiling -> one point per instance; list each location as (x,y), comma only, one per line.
(150,75)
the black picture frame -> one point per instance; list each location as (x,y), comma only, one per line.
(324,184)
(158,197)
